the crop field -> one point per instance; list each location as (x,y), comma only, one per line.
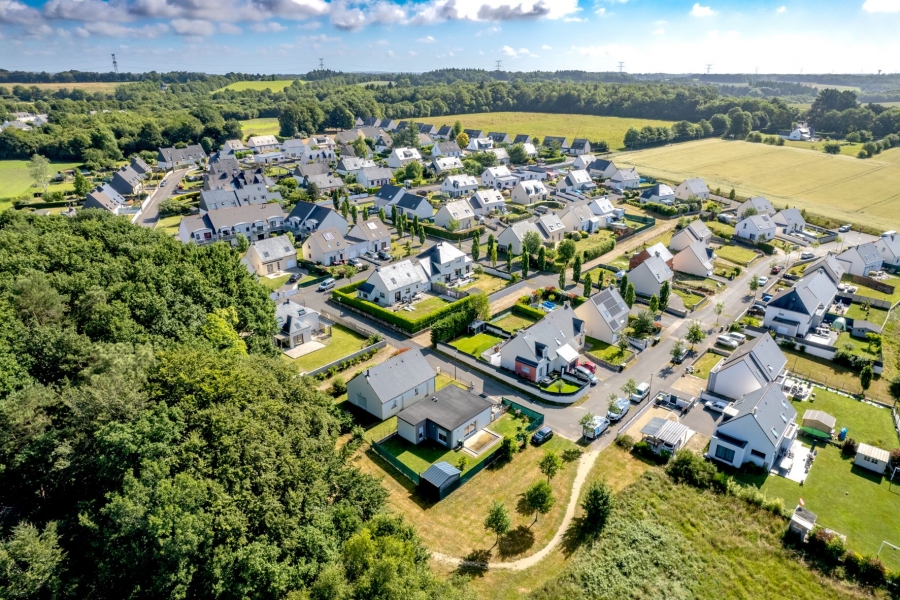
(276,86)
(259,126)
(16,181)
(841,187)
(87,86)
(609,129)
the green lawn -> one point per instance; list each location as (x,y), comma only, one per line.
(664,238)
(275,86)
(426,307)
(343,342)
(267,126)
(735,254)
(870,293)
(834,375)
(513,322)
(567,388)
(798,270)
(419,457)
(486,283)
(169,225)
(16,181)
(592,241)
(476,344)
(860,347)
(620,262)
(720,229)
(724,268)
(703,366)
(273,283)
(867,423)
(690,300)
(607,352)
(875,315)
(847,499)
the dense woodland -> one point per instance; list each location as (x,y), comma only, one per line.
(152,444)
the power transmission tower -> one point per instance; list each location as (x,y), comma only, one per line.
(321,64)
(621,66)
(708,67)
(115,65)
(498,64)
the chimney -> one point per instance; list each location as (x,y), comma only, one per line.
(754,411)
(367,373)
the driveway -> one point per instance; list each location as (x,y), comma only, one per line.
(150,216)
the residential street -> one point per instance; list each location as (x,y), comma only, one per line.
(150,216)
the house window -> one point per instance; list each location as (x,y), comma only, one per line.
(726,454)
(442,436)
(526,369)
(270,268)
(470,429)
(758,454)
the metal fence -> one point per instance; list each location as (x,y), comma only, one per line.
(393,461)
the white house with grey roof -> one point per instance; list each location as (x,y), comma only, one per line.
(529,192)
(649,276)
(695,259)
(457,186)
(601,168)
(603,208)
(789,221)
(413,205)
(263,143)
(499,178)
(501,154)
(449,417)
(696,231)
(659,193)
(306,217)
(400,157)
(458,210)
(754,365)
(758,228)
(296,324)
(351,165)
(799,309)
(448,148)
(605,315)
(374,233)
(889,249)
(761,430)
(373,177)
(397,282)
(510,239)
(443,164)
(127,181)
(255,222)
(484,202)
(861,260)
(695,187)
(552,229)
(580,218)
(576,180)
(579,146)
(445,263)
(169,158)
(248,195)
(330,246)
(625,179)
(105,198)
(553,344)
(388,195)
(271,255)
(583,161)
(396,384)
(757,203)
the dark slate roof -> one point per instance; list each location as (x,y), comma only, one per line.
(579,143)
(310,210)
(763,353)
(399,374)
(522,138)
(807,294)
(186,154)
(766,405)
(554,138)
(498,136)
(449,408)
(411,201)
(440,474)
(125,180)
(138,164)
(312,169)
(366,288)
(389,192)
(448,146)
(601,164)
(445,130)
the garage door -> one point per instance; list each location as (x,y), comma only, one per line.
(781,330)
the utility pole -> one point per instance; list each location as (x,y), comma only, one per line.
(115,65)
(621,66)
(321,64)
(708,67)
(498,63)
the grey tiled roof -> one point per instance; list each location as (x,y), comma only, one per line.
(449,408)
(399,374)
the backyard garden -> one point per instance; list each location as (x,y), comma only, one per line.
(343,341)
(736,254)
(608,352)
(706,363)
(474,345)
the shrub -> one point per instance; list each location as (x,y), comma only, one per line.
(849,447)
(895,458)
(751,468)
(338,387)
(625,441)
(507,449)
(691,469)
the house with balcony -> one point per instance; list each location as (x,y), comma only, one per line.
(445,263)
(296,324)
(330,246)
(400,157)
(499,178)
(255,222)
(457,186)
(553,344)
(396,282)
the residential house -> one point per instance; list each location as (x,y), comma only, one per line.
(533,173)
(307,217)
(528,192)
(499,178)
(105,198)
(801,132)
(346,137)
(330,246)
(800,309)
(659,193)
(271,255)
(480,144)
(530,150)
(576,181)
(459,185)
(15,125)
(296,324)
(351,165)
(580,146)
(127,181)
(393,283)
(425,140)
(322,142)
(658,249)
(443,133)
(396,384)
(400,157)
(694,187)
(761,430)
(552,229)
(790,221)
(346,151)
(828,264)
(414,205)
(246,196)
(449,417)
(522,138)
(263,143)
(889,249)
(141,168)
(695,259)
(511,238)
(295,149)
(484,202)
(427,129)
(444,263)
(373,177)
(383,143)
(602,168)
(550,345)
(861,260)
(581,218)
(459,211)
(255,222)
(169,158)
(625,179)
(649,276)
(499,138)
(448,148)
(583,161)
(442,164)
(309,169)
(753,366)
(373,233)
(501,154)
(475,133)
(758,228)
(388,195)
(561,143)
(325,183)
(605,315)
(758,204)
(388,124)
(696,231)
(662,435)
(603,208)
(268,158)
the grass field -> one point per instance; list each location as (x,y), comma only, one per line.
(847,189)
(690,300)
(476,344)
(259,127)
(607,352)
(87,86)
(486,283)
(169,225)
(736,254)
(15,180)
(609,129)
(514,322)
(276,86)
(703,366)
(866,422)
(834,375)
(847,148)
(871,293)
(343,342)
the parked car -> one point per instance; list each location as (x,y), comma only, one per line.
(546,381)
(326,285)
(369,254)
(384,255)
(767,297)
(776,270)
(541,435)
(728,341)
(680,358)
(294,278)
(717,405)
(845,228)
(763,280)
(807,255)
(355,262)
(585,375)
(643,390)
(890,233)
(623,405)
(595,428)
(740,338)
(589,366)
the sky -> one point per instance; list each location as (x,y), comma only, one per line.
(291,36)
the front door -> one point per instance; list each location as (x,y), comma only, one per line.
(397,297)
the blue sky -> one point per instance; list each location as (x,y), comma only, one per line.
(281,36)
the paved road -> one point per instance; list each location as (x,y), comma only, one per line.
(150,216)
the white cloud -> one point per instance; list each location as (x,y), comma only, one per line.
(521,52)
(115,30)
(702,11)
(659,31)
(316,41)
(268,27)
(781,10)
(16,13)
(660,23)
(574,20)
(601,12)
(382,43)
(230,29)
(881,6)
(391,53)
(428,39)
(488,31)
(546,47)
(193,27)
(435,11)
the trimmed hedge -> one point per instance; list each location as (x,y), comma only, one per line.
(440,232)
(553,161)
(600,250)
(524,310)
(769,249)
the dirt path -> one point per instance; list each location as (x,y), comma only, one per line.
(584,467)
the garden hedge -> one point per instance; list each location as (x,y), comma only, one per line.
(440,232)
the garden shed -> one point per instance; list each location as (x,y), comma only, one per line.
(802,522)
(871,458)
(818,423)
(438,480)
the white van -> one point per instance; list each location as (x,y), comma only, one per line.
(643,390)
(890,233)
(740,338)
(728,341)
(807,255)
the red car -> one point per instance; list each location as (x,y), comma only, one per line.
(776,270)
(589,366)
